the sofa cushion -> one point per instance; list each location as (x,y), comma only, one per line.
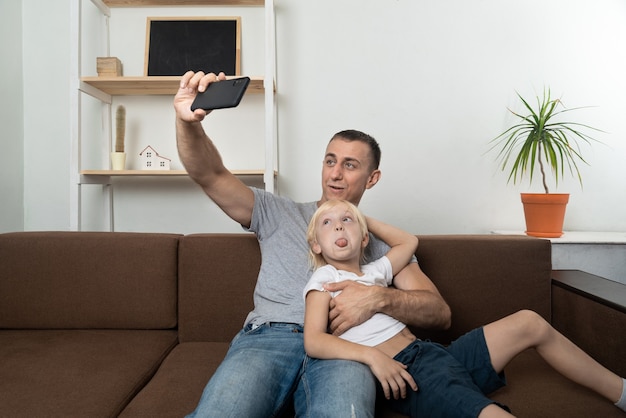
(216,278)
(88,280)
(535,390)
(531,385)
(486,277)
(76,373)
(176,388)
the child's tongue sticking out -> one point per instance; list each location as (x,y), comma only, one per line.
(341,242)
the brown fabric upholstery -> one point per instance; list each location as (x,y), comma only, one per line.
(176,388)
(217,275)
(486,277)
(88,280)
(591,325)
(535,390)
(101,324)
(85,319)
(76,373)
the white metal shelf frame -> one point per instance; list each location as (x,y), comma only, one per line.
(77,88)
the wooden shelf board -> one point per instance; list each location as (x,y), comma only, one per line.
(140,3)
(151,85)
(163,173)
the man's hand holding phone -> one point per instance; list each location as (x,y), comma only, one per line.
(192,85)
(221,94)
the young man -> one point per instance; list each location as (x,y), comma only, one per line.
(266,366)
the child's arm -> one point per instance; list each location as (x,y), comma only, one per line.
(319,344)
(403,244)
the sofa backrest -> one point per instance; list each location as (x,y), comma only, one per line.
(217,275)
(482,277)
(53,280)
(486,277)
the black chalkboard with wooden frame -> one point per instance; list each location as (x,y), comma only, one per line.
(175,45)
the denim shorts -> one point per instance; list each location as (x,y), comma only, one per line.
(452,381)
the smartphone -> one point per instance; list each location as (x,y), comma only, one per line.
(221,94)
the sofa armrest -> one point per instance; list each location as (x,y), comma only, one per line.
(591,311)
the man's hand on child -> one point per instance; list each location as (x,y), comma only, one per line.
(354,305)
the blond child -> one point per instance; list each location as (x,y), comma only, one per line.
(453,380)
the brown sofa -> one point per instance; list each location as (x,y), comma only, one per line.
(133,325)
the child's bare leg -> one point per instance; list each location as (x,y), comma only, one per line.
(515,333)
(494,411)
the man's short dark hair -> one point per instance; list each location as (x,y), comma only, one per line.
(354,135)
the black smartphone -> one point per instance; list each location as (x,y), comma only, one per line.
(221,94)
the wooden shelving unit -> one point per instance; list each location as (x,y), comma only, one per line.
(105,88)
(146,3)
(152,85)
(157,173)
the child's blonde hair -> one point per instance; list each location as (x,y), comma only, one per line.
(317,260)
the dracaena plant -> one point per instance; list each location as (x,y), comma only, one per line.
(543,138)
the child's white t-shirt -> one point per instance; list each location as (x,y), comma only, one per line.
(380,327)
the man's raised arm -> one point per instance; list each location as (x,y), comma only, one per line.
(201,158)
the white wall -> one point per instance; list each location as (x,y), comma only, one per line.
(46,63)
(11,118)
(430,80)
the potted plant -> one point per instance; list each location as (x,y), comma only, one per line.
(118,157)
(541,139)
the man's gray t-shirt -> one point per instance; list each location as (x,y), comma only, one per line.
(280,225)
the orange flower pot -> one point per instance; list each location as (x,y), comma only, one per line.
(544,213)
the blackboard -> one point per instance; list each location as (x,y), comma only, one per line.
(209,44)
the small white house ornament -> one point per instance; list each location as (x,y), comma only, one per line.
(151,160)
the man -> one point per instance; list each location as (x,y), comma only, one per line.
(266,366)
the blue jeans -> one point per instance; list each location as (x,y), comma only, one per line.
(266,373)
